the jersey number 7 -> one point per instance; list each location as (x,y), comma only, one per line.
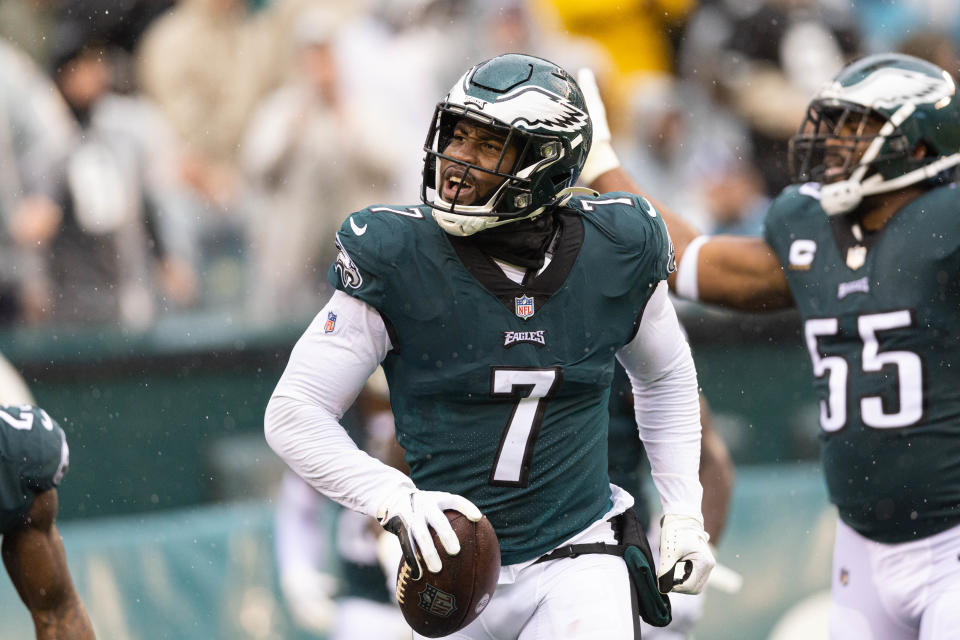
(532,389)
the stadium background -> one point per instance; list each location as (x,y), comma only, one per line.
(167,510)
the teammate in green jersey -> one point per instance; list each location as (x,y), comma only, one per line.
(33,459)
(497,308)
(866,245)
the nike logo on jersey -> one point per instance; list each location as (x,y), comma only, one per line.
(357,230)
(855,286)
(513,338)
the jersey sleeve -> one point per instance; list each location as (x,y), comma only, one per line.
(369,245)
(782,212)
(641,246)
(33,455)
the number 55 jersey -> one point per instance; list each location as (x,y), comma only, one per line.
(500,390)
(881,320)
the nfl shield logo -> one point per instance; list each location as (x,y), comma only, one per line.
(524,307)
(331,322)
(437,602)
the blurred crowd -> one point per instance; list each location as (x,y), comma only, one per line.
(169,157)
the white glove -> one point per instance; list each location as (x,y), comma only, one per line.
(308,594)
(685,556)
(602,157)
(410,513)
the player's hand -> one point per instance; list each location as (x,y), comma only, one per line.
(685,557)
(411,513)
(602,157)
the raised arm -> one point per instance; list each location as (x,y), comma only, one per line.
(736,272)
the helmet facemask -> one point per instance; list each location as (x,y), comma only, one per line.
(512,199)
(839,143)
(536,111)
(884,123)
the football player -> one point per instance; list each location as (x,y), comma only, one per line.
(33,459)
(866,246)
(497,308)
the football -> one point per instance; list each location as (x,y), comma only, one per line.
(438,604)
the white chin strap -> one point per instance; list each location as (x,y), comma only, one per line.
(842,197)
(845,196)
(458,224)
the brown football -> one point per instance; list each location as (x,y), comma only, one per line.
(440,603)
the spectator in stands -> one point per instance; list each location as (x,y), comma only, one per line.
(207,63)
(736,199)
(765,63)
(122,252)
(637,34)
(681,143)
(935,46)
(309,160)
(35,137)
(885,25)
(33,458)
(26,23)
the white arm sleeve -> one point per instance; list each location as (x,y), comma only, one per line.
(667,404)
(326,371)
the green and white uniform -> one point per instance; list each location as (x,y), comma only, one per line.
(499,383)
(33,459)
(882,326)
(500,390)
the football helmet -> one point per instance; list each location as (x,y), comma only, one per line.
(890,106)
(538,109)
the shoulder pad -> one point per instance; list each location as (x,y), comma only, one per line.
(370,242)
(379,232)
(633,227)
(793,202)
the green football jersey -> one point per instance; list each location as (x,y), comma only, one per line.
(881,323)
(33,459)
(499,390)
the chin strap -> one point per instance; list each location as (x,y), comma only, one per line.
(457,224)
(564,195)
(845,196)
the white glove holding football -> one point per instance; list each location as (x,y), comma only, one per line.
(602,157)
(685,557)
(410,514)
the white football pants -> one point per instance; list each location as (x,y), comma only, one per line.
(582,598)
(906,591)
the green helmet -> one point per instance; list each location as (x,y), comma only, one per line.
(540,111)
(917,105)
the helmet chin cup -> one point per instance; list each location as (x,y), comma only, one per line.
(460,225)
(841,197)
